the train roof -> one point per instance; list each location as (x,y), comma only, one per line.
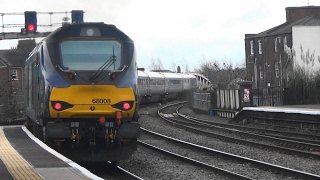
(87,29)
(171,75)
(149,74)
(155,74)
(187,75)
(164,74)
(142,74)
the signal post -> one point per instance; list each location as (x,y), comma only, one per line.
(30,27)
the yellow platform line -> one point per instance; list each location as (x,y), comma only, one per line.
(16,165)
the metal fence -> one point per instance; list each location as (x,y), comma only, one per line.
(271,96)
(226,102)
(293,93)
(300,92)
(202,101)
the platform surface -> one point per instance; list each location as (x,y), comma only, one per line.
(22,156)
(297,109)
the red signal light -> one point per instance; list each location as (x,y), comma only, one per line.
(126,106)
(57,106)
(31,28)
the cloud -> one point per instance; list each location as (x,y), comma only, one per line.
(176,30)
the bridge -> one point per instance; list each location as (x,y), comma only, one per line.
(202,81)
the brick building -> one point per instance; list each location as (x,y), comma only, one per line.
(12,69)
(269,53)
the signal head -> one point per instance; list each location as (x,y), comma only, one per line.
(30,21)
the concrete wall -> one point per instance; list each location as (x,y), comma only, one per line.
(306,46)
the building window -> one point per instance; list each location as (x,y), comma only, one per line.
(284,42)
(275,44)
(251,47)
(276,67)
(260,46)
(14,75)
(261,72)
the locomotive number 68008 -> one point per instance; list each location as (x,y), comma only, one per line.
(100,101)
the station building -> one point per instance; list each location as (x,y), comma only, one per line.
(272,54)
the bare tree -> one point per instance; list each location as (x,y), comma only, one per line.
(221,75)
(186,62)
(173,66)
(160,65)
(155,64)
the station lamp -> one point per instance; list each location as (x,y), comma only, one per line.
(30,21)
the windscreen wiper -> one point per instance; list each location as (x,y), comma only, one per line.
(111,61)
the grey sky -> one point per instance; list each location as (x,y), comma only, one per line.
(179,31)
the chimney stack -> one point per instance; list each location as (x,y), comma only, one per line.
(296,13)
(178,69)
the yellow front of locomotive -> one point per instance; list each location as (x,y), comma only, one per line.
(92,101)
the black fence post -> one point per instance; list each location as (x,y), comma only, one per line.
(258,87)
(284,92)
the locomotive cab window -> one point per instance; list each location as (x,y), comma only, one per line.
(90,55)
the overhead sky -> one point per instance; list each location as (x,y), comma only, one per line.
(180,32)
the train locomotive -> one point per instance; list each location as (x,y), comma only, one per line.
(82,93)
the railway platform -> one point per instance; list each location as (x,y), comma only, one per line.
(304,113)
(295,109)
(23,156)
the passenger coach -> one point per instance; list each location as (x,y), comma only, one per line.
(159,86)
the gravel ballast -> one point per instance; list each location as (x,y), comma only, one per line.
(142,159)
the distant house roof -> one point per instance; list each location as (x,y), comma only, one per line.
(13,57)
(2,63)
(287,27)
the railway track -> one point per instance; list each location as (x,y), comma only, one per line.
(232,166)
(280,123)
(288,139)
(151,164)
(154,145)
(231,134)
(171,114)
(308,145)
(302,137)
